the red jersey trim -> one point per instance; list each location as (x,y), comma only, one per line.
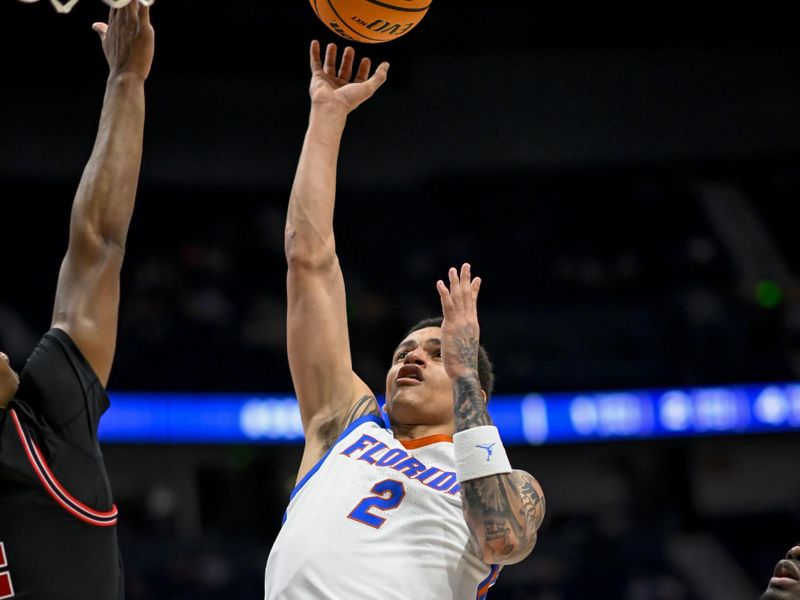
(53,487)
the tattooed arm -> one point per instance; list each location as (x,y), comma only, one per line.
(329,393)
(503,512)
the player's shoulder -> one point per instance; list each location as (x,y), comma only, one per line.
(57,352)
(364,413)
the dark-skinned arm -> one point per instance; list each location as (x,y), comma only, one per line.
(87,297)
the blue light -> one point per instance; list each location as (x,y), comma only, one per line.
(160,418)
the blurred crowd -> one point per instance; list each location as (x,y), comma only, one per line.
(592,280)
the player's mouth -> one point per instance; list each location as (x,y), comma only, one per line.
(787,572)
(787,568)
(409,375)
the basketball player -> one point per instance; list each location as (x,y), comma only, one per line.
(58,534)
(402,513)
(785,582)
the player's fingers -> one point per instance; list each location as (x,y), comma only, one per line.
(330,60)
(379,77)
(452,275)
(144,14)
(346,68)
(465,275)
(465,281)
(475,288)
(314,58)
(363,70)
(445,298)
(101,29)
(120,19)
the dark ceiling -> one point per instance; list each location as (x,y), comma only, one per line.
(478,86)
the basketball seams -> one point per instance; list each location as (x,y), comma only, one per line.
(346,24)
(400,8)
(370,21)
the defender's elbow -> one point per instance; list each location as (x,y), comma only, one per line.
(94,246)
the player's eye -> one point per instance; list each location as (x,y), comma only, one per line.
(401,356)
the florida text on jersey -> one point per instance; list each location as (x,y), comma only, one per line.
(378,517)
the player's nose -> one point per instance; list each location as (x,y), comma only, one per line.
(794,553)
(415,357)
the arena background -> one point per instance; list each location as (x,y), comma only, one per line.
(623,175)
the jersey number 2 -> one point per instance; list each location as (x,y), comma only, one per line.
(388,495)
(6,588)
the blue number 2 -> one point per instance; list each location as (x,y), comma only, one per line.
(388,495)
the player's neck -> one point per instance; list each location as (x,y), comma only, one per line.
(415,432)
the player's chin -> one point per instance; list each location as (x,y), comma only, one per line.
(774,593)
(402,400)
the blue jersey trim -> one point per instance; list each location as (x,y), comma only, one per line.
(494,573)
(355,424)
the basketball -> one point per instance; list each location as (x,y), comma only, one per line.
(371,21)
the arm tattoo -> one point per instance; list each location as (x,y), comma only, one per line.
(470,406)
(367,405)
(333,428)
(466,349)
(502,511)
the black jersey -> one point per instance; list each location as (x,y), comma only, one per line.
(58,522)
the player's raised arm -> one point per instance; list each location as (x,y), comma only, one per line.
(330,395)
(87,297)
(504,508)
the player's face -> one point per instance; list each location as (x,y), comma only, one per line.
(9,381)
(785,582)
(418,390)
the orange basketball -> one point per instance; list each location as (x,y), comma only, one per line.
(371,21)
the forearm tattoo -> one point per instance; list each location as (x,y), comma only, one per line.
(466,349)
(503,512)
(470,406)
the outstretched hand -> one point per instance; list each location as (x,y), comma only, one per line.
(340,89)
(460,329)
(128,39)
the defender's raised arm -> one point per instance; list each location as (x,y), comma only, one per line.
(329,393)
(87,297)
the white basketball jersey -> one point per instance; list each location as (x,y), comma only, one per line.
(377,518)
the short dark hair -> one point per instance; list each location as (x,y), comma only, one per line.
(485,368)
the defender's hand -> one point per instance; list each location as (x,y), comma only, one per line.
(128,39)
(460,330)
(331,89)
